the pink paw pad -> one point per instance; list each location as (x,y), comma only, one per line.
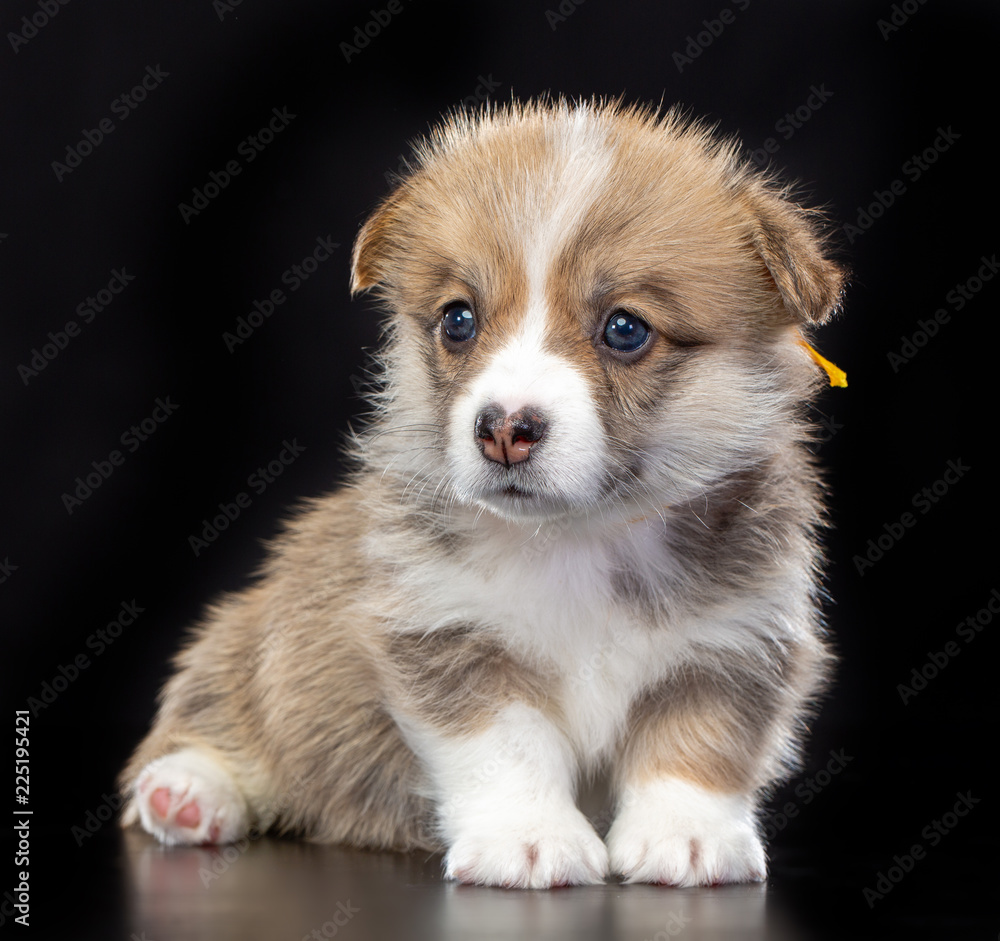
(159,800)
(187,815)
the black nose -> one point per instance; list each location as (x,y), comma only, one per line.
(508,439)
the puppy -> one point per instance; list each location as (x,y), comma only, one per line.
(580,537)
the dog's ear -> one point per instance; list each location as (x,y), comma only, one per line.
(372,248)
(790,241)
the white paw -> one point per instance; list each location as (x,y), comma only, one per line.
(558,849)
(188,798)
(677,833)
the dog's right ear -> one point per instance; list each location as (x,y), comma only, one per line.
(373,247)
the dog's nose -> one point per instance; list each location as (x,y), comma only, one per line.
(508,439)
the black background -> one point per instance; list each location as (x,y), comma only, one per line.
(889,95)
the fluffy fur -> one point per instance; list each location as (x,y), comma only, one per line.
(435,655)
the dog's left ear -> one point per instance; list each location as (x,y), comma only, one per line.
(789,240)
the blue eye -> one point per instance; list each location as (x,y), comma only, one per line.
(458,323)
(625,332)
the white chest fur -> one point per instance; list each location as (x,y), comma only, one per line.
(551,594)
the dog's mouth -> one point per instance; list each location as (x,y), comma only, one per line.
(528,500)
(519,500)
(512,494)
(536,500)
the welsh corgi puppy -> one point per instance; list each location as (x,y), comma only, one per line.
(579,537)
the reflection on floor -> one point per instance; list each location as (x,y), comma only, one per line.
(274,889)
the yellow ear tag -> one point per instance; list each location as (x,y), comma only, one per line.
(837,375)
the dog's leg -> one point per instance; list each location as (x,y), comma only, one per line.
(500,773)
(505,801)
(698,751)
(191,780)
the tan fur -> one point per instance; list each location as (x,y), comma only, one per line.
(457,678)
(712,727)
(298,685)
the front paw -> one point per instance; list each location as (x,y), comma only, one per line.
(676,833)
(549,850)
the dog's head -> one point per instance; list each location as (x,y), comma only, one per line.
(593,307)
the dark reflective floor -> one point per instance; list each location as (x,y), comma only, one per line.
(90,880)
(279,889)
(125,886)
